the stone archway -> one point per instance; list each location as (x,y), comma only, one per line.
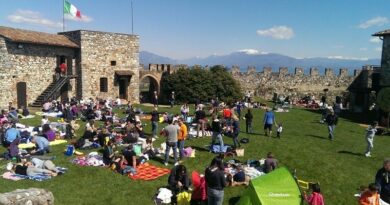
(147,85)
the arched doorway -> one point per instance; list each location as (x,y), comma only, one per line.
(147,86)
(21,94)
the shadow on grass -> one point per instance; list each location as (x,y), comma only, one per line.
(351,116)
(316,136)
(202,149)
(159,159)
(253,133)
(350,153)
(234,200)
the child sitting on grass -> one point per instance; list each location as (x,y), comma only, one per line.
(370,196)
(315,197)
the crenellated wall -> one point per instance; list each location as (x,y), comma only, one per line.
(297,84)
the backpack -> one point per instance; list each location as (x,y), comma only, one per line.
(69,150)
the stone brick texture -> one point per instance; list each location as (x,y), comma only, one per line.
(296,85)
(33,64)
(97,50)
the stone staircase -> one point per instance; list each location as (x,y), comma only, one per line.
(53,91)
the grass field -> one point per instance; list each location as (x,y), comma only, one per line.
(339,165)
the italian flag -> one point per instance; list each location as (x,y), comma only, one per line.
(71,10)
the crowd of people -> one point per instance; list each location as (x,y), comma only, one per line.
(118,137)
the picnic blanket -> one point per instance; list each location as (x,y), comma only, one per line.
(41,177)
(148,172)
(90,160)
(49,114)
(31,145)
(27,117)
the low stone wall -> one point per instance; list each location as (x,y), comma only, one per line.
(31,196)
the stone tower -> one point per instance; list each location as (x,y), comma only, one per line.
(385,62)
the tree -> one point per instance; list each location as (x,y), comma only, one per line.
(197,83)
(383,101)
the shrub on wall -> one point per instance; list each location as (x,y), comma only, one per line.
(200,84)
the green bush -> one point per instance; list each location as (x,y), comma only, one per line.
(197,83)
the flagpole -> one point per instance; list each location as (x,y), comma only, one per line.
(132,17)
(63,15)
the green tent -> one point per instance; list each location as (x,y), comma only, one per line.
(275,188)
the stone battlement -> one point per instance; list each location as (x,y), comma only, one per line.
(298,71)
(298,83)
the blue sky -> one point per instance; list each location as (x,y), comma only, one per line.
(182,29)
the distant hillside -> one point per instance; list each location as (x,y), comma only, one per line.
(147,58)
(243,60)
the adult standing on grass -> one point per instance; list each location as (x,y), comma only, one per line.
(181,137)
(200,118)
(216,127)
(172,99)
(248,121)
(155,99)
(215,179)
(382,179)
(371,130)
(269,120)
(238,109)
(185,109)
(331,120)
(154,120)
(171,132)
(236,131)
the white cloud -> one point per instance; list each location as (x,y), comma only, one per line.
(32,17)
(362,49)
(250,51)
(375,40)
(379,49)
(84,18)
(347,58)
(277,32)
(377,21)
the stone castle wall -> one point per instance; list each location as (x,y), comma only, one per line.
(98,49)
(30,63)
(298,84)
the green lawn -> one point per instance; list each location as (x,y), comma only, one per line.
(338,165)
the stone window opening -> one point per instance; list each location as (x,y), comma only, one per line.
(113,63)
(103,85)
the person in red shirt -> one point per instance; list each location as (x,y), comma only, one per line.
(370,196)
(63,69)
(227,113)
(315,197)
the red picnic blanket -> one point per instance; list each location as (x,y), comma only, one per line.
(147,172)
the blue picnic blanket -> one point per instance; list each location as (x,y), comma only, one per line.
(39,177)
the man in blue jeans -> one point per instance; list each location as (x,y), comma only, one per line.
(216,127)
(171,131)
(269,120)
(331,120)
